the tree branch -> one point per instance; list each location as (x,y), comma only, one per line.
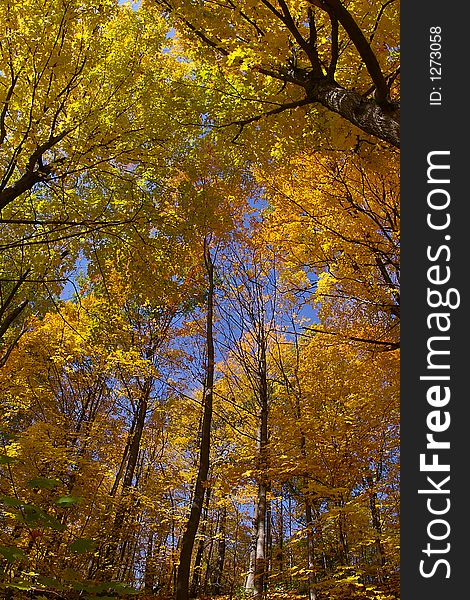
(31,176)
(391,345)
(360,42)
(274,111)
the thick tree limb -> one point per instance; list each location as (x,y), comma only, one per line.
(367,115)
(377,117)
(360,42)
(4,306)
(11,317)
(34,173)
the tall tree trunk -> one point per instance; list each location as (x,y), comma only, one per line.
(343,541)
(187,541)
(235,554)
(269,539)
(134,449)
(320,537)
(256,571)
(109,561)
(260,561)
(149,573)
(281,537)
(250,577)
(310,549)
(377,526)
(197,569)
(289,529)
(219,566)
(208,573)
(170,572)
(308,504)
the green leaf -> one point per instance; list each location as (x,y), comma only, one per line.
(82,545)
(43,483)
(7,435)
(50,582)
(53,523)
(7,460)
(66,501)
(33,515)
(11,553)
(11,501)
(20,585)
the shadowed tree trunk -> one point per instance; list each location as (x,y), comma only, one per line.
(209,566)
(219,566)
(197,569)
(281,536)
(343,540)
(377,526)
(187,540)
(109,560)
(310,549)
(150,570)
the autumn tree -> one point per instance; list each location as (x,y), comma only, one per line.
(200,487)
(337,436)
(199,299)
(324,56)
(249,311)
(343,212)
(85,133)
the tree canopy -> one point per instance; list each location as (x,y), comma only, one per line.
(199,299)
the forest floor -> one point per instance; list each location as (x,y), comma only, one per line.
(285,595)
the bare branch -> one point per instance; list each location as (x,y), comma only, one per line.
(390,345)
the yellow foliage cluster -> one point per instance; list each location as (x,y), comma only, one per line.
(174,176)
